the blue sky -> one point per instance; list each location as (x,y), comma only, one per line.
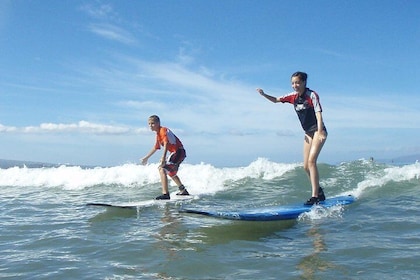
(78,79)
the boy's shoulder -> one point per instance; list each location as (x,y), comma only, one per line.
(162,130)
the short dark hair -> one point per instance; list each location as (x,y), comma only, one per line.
(302,75)
(154,118)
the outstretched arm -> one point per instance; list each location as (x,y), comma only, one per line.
(269,97)
(144,160)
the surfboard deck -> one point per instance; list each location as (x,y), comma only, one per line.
(272,213)
(144,203)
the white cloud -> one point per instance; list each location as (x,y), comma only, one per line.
(355,112)
(101,11)
(112,32)
(142,105)
(196,100)
(7,128)
(209,109)
(107,23)
(79,127)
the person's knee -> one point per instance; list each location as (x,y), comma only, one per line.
(311,163)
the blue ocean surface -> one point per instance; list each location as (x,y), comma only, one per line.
(48,232)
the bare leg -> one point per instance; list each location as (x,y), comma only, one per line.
(164,180)
(311,150)
(177,181)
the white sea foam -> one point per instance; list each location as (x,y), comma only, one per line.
(391,174)
(320,213)
(201,178)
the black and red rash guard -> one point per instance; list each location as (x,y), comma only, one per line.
(305,106)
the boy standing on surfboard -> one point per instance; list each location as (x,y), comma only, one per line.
(309,111)
(167,139)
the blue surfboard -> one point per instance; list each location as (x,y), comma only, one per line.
(272,213)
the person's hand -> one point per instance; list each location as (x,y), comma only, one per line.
(322,136)
(260,91)
(143,161)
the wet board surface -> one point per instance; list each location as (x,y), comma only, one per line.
(272,213)
(144,203)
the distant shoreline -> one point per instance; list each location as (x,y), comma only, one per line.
(9,163)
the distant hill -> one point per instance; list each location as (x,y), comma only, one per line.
(403,160)
(7,163)
(406,159)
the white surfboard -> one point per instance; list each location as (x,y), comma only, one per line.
(144,203)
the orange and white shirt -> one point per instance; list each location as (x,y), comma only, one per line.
(165,135)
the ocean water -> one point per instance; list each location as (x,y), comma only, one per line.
(48,232)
